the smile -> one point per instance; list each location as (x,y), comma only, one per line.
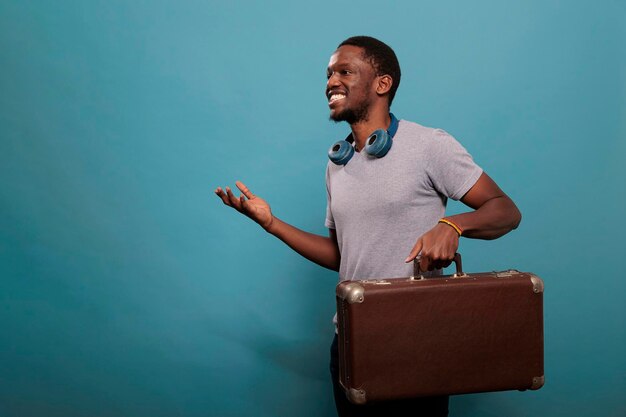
(335,97)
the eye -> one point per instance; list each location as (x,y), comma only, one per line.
(342,72)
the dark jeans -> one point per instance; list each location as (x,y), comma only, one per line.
(418,407)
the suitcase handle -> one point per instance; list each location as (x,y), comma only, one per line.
(417,272)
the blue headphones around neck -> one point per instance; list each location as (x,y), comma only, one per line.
(377,144)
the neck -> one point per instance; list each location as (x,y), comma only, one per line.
(362,129)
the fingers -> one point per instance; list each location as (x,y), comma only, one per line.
(229,198)
(440,263)
(426,263)
(429,262)
(221,194)
(234,201)
(434,260)
(429,258)
(244,189)
(415,251)
(436,248)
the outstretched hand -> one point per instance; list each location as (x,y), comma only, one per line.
(436,247)
(247,203)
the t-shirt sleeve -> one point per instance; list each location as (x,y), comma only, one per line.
(450,167)
(330,221)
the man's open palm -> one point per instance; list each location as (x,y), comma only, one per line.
(249,204)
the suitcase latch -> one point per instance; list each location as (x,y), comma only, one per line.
(375,281)
(507,273)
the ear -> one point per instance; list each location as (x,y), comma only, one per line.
(384,83)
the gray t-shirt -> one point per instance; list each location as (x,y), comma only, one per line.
(380,206)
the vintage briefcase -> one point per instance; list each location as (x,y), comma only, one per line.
(452,334)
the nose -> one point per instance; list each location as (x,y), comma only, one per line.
(333,81)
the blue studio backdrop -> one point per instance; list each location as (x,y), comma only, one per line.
(128,289)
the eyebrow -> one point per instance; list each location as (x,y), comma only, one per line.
(340,65)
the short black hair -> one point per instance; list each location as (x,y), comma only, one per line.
(381,56)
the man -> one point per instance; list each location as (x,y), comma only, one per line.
(381,208)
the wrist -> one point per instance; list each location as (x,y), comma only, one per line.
(452,225)
(268,227)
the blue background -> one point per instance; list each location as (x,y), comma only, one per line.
(128,289)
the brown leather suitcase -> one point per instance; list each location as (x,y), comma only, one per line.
(452,334)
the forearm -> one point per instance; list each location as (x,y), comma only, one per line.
(319,249)
(494,215)
(494,218)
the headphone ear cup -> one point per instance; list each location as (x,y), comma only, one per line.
(378,144)
(341,152)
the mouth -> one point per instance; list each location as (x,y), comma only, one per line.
(334,97)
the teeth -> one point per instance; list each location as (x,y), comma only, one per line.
(336,97)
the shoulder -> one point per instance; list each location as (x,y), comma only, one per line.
(423,136)
(408,128)
(435,145)
(331,170)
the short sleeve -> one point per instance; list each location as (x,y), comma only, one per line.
(451,168)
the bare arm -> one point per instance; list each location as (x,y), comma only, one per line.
(494,215)
(322,250)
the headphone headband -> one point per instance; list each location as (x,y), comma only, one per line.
(393,128)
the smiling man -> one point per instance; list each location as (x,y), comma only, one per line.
(383,207)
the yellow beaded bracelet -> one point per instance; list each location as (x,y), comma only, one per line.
(451,224)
